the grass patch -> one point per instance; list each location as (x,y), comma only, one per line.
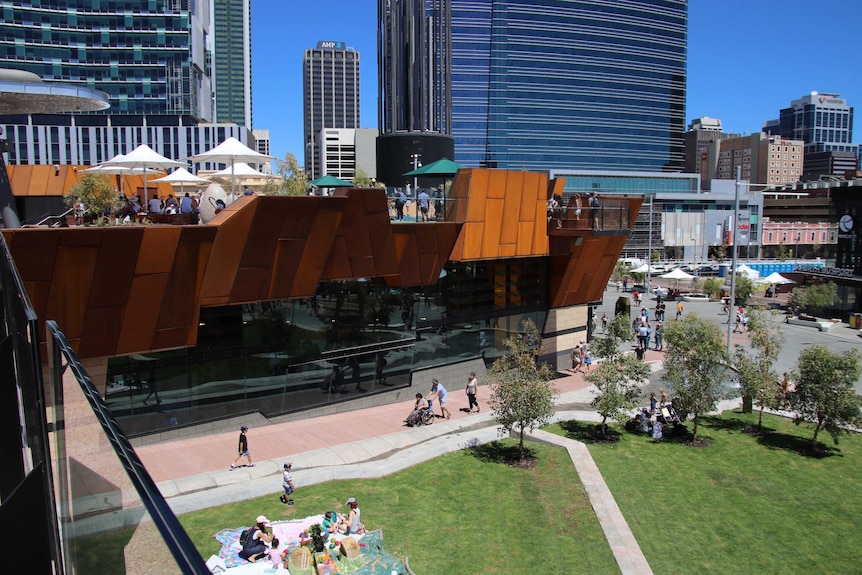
(745,504)
(460,514)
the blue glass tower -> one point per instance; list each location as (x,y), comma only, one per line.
(545,84)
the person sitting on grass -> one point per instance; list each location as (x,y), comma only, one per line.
(350,525)
(255,546)
(330,522)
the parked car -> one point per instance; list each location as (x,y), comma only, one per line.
(706,270)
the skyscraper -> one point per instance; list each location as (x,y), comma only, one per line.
(330,96)
(149,61)
(154,61)
(231,49)
(825,123)
(539,85)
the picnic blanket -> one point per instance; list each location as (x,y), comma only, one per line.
(377,561)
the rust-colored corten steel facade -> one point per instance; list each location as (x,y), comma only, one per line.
(120,290)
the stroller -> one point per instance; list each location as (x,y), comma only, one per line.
(667,415)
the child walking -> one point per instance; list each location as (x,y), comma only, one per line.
(287,484)
(242,448)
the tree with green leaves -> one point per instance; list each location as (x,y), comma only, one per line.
(755,362)
(95,191)
(744,287)
(824,393)
(655,256)
(695,364)
(719,252)
(621,270)
(292,181)
(813,298)
(782,252)
(619,376)
(522,389)
(712,287)
(361,179)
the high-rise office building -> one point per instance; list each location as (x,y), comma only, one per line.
(825,123)
(330,96)
(155,64)
(701,156)
(231,49)
(149,61)
(539,85)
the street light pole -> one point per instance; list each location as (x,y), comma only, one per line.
(649,247)
(735,224)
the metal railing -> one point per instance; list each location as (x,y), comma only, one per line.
(612,215)
(72,486)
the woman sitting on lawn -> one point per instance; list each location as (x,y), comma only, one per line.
(350,525)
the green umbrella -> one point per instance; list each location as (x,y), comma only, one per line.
(441,168)
(328,181)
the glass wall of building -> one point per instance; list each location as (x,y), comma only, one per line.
(352,338)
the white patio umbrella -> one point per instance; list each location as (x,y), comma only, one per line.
(642,269)
(114,170)
(241,171)
(230,152)
(180,177)
(144,157)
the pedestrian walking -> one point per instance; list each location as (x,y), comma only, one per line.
(439,393)
(576,359)
(659,333)
(287,484)
(242,448)
(472,392)
(604,323)
(678,309)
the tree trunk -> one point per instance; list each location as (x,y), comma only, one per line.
(521,444)
(747,404)
(760,418)
(604,425)
(695,428)
(817,430)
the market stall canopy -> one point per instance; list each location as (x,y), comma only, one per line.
(677,274)
(641,269)
(328,181)
(775,278)
(751,274)
(441,168)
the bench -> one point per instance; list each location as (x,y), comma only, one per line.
(821,324)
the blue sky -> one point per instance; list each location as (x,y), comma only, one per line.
(747,59)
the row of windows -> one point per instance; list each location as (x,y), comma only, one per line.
(798,237)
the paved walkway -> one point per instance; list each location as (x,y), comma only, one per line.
(369,443)
(373,442)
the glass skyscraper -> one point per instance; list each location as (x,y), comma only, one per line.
(150,58)
(231,48)
(546,84)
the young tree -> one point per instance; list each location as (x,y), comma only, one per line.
(618,376)
(744,287)
(782,252)
(522,389)
(712,287)
(695,364)
(824,392)
(293,180)
(814,298)
(655,256)
(95,191)
(361,179)
(754,364)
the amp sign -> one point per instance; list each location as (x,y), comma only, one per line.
(329,45)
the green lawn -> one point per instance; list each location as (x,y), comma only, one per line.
(745,504)
(462,513)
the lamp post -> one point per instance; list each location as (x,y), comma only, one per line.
(416,166)
(735,222)
(649,247)
(735,225)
